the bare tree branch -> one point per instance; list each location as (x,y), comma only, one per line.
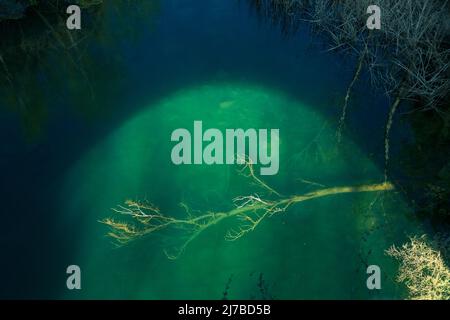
(141,219)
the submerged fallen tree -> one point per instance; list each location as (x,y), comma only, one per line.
(144,219)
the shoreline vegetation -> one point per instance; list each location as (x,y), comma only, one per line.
(422,267)
(141,219)
(408,58)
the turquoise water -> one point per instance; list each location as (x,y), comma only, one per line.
(313,250)
(107,140)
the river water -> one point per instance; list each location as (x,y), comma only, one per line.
(96,132)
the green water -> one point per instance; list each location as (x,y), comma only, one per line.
(316,249)
(87,127)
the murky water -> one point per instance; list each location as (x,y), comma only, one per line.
(103,136)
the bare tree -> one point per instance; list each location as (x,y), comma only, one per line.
(141,219)
(408,58)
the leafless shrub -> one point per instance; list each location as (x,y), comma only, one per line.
(422,270)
